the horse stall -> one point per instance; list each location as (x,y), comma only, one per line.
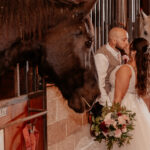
(22,109)
(44,101)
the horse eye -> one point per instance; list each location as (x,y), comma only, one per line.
(79,33)
(88,43)
(145,33)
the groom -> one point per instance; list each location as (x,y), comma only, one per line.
(107,58)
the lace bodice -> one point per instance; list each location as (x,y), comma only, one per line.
(132,83)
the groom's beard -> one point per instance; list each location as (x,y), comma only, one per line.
(121,50)
(124,61)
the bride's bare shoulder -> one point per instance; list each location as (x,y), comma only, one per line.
(124,70)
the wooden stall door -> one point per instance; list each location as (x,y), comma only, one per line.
(23,99)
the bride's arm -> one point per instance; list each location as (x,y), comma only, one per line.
(123,76)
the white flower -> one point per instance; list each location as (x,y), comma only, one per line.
(121,120)
(125,117)
(112,133)
(108,116)
(97,133)
(125,57)
(110,122)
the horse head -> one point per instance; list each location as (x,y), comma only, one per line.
(69,56)
(145,26)
(65,52)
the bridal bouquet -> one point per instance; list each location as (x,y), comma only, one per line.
(113,125)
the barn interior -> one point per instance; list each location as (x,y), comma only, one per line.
(33,108)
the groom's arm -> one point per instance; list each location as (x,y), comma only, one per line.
(102,65)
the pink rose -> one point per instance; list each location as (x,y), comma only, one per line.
(118,133)
(125,117)
(124,130)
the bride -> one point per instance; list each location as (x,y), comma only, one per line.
(129,83)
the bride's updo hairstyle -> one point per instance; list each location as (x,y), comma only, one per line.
(140,45)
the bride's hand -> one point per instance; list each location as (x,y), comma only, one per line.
(117,101)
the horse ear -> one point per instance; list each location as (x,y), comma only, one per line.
(143,15)
(85,6)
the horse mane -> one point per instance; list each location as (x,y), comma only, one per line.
(32,18)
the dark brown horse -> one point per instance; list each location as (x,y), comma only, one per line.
(62,46)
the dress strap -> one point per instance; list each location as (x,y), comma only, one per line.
(131,68)
(133,72)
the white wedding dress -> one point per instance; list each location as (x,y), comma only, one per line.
(141,133)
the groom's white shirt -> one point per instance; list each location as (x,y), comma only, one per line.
(102,65)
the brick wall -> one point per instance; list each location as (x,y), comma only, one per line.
(65,128)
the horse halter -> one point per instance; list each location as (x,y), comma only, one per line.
(85,101)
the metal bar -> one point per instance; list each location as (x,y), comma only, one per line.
(20,99)
(112,13)
(106,21)
(99,22)
(109,12)
(133,10)
(34,78)
(27,84)
(102,22)
(136,25)
(45,117)
(23,119)
(18,80)
(95,26)
(26,76)
(130,20)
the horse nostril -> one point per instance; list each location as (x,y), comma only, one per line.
(88,43)
(145,33)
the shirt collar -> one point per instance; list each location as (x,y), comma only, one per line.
(112,51)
